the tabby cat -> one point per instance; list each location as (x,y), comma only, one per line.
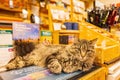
(57,58)
(78,56)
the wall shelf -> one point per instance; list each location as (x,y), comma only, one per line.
(10,9)
(69,31)
(3,18)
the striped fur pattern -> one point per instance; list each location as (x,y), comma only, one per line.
(28,54)
(57,58)
(79,56)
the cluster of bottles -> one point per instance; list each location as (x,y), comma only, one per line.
(104,18)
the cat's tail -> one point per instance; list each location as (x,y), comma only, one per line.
(16,63)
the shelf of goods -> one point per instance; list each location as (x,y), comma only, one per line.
(6,43)
(12,6)
(10,9)
(44,21)
(115,29)
(107,47)
(5,18)
(45,36)
(65,36)
(54,13)
(56,22)
(78,10)
(114,71)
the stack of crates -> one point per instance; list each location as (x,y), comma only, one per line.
(114,71)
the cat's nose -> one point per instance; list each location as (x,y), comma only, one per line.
(83,54)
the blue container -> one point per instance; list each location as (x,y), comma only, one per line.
(75,26)
(68,25)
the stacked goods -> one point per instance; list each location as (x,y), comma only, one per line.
(6,46)
(18,4)
(114,71)
(46,37)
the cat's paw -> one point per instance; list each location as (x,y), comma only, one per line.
(86,66)
(68,69)
(55,67)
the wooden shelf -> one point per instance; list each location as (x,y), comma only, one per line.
(78,13)
(44,25)
(44,10)
(86,0)
(61,21)
(67,4)
(10,9)
(53,1)
(57,7)
(3,18)
(69,31)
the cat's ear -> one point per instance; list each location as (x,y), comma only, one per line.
(93,41)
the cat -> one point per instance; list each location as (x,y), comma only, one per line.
(78,56)
(57,58)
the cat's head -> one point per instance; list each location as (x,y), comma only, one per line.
(86,48)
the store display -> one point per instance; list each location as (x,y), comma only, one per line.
(11,3)
(57,26)
(67,39)
(6,34)
(68,2)
(78,10)
(56,15)
(104,18)
(6,44)
(46,37)
(71,26)
(14,4)
(25,31)
(6,54)
(63,39)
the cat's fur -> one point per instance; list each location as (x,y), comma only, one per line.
(57,58)
(79,56)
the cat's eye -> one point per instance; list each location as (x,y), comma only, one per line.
(88,50)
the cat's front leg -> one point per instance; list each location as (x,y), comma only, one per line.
(55,67)
(87,65)
(70,66)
